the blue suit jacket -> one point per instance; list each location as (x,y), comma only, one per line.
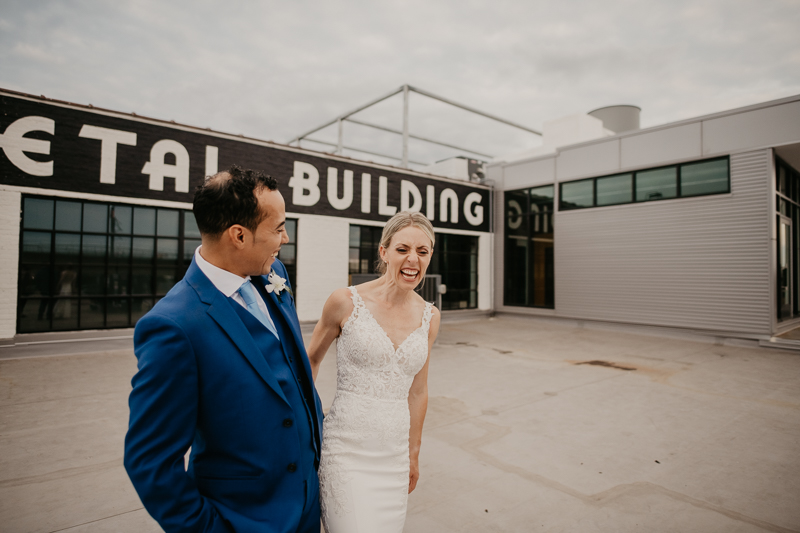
(203,382)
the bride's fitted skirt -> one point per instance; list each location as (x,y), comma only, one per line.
(363,472)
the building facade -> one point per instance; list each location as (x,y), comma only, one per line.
(97,224)
(690,225)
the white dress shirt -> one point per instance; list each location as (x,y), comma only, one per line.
(228,283)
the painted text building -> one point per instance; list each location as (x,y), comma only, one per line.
(96,222)
(692,225)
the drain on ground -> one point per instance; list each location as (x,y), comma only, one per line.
(606,363)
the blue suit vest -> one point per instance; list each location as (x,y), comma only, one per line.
(283,358)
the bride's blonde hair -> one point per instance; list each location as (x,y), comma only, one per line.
(401,220)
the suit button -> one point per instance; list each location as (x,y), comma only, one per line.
(288,423)
(292,467)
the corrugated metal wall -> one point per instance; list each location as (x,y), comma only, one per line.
(691,263)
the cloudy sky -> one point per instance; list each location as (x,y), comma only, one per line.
(273,70)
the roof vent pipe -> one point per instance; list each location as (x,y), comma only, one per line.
(618,118)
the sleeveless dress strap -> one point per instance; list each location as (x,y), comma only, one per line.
(426,315)
(358,303)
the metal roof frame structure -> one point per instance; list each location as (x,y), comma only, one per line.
(405,90)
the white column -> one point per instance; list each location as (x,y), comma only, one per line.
(10,207)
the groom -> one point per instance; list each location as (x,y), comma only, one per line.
(223,370)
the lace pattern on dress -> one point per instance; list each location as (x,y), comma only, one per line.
(371,403)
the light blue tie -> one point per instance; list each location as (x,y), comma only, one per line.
(249,295)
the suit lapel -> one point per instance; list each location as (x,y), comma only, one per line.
(219,308)
(289,315)
(284,305)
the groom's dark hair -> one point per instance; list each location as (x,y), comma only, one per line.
(228,198)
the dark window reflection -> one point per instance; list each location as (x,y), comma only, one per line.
(529,268)
(36,246)
(288,254)
(117,313)
(142,280)
(165,279)
(143,249)
(38,213)
(120,249)
(168,223)
(95,218)
(94,249)
(455,258)
(68,215)
(190,247)
(788,240)
(65,314)
(144,221)
(364,243)
(167,251)
(709,177)
(575,194)
(120,218)
(68,247)
(80,267)
(118,280)
(657,184)
(613,190)
(92,313)
(190,229)
(93,280)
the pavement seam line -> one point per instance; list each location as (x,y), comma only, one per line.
(98,520)
(60,474)
(495,433)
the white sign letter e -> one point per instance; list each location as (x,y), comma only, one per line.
(14,144)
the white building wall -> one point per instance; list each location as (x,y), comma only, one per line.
(597,158)
(322,254)
(10,208)
(769,126)
(485,274)
(528,174)
(662,146)
(699,262)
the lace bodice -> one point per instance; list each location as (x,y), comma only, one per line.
(367,361)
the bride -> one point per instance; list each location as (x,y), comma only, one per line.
(373,432)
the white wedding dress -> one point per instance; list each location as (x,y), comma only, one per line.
(363,472)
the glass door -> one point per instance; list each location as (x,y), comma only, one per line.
(785,253)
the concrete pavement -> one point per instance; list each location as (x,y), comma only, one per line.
(533,425)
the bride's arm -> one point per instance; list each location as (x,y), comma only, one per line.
(418,406)
(328,328)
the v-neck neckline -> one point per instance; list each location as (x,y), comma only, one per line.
(386,335)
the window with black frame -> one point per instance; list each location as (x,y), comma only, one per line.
(89,265)
(455,258)
(364,244)
(787,205)
(698,178)
(529,240)
(288,254)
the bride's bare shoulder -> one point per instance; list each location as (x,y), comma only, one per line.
(339,304)
(341,297)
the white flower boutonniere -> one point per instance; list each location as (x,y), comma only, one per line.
(277,285)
